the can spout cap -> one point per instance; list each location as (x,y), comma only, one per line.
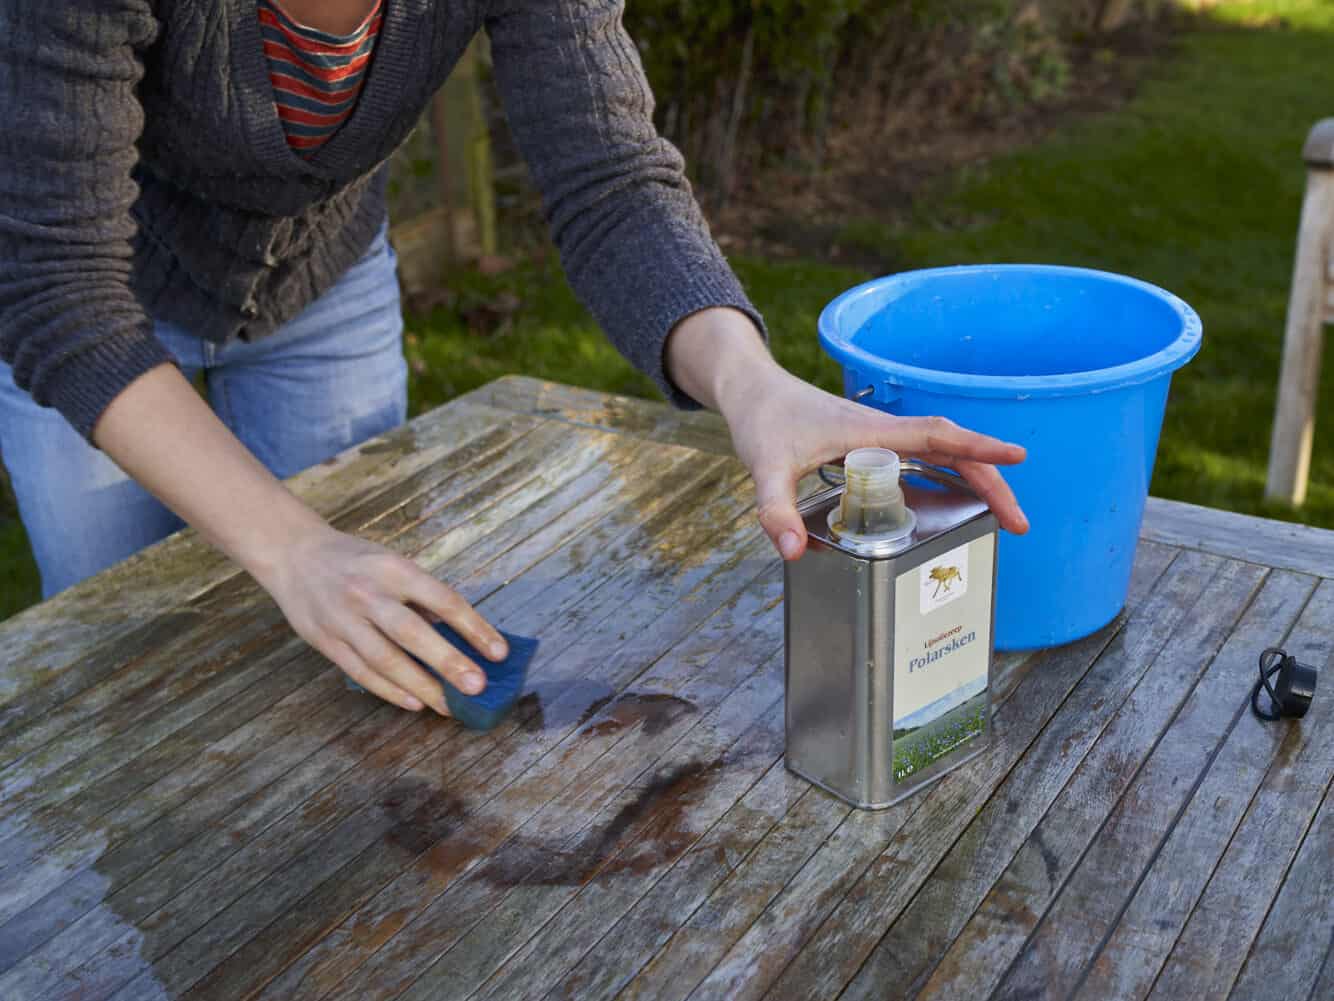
(872,498)
(871,511)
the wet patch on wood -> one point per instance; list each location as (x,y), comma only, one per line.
(656,810)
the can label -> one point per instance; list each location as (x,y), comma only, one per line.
(942,646)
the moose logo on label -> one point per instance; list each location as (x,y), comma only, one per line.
(944,576)
(944,580)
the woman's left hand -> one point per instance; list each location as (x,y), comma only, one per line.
(789,428)
(783,428)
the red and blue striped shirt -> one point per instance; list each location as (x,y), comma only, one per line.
(316,75)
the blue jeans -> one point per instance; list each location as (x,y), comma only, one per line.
(329,379)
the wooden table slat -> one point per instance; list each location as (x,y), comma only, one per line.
(1082,758)
(227,736)
(192,804)
(543,483)
(589,913)
(101,760)
(686,790)
(183,967)
(125,883)
(1131,681)
(38,645)
(1281,545)
(1094,878)
(768,945)
(641,419)
(460,565)
(37,711)
(1324,985)
(583,741)
(1134,953)
(781,814)
(1287,958)
(1210,951)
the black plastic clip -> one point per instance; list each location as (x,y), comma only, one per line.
(1291,695)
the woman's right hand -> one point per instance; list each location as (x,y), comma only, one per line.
(350,599)
(356,603)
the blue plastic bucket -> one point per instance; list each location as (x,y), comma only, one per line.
(1071,363)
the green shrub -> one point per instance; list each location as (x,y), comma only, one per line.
(774,78)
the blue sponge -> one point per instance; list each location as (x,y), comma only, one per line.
(504,681)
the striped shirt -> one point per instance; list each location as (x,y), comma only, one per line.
(316,75)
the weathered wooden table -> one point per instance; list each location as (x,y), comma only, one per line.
(193,805)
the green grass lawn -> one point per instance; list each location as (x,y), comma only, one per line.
(1195,186)
(19,586)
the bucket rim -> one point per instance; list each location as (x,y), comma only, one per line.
(1164,361)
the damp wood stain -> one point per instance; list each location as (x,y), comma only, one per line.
(573,705)
(421,815)
(644,834)
(654,711)
(554,706)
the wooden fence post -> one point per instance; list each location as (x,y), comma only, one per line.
(1310,307)
(464,164)
(463,225)
(444,162)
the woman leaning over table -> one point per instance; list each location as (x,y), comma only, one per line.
(190,187)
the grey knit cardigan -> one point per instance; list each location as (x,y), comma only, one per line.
(144,175)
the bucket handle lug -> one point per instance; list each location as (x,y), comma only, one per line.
(868,393)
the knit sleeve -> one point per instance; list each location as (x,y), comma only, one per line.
(632,239)
(70,326)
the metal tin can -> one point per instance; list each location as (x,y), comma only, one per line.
(889,652)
